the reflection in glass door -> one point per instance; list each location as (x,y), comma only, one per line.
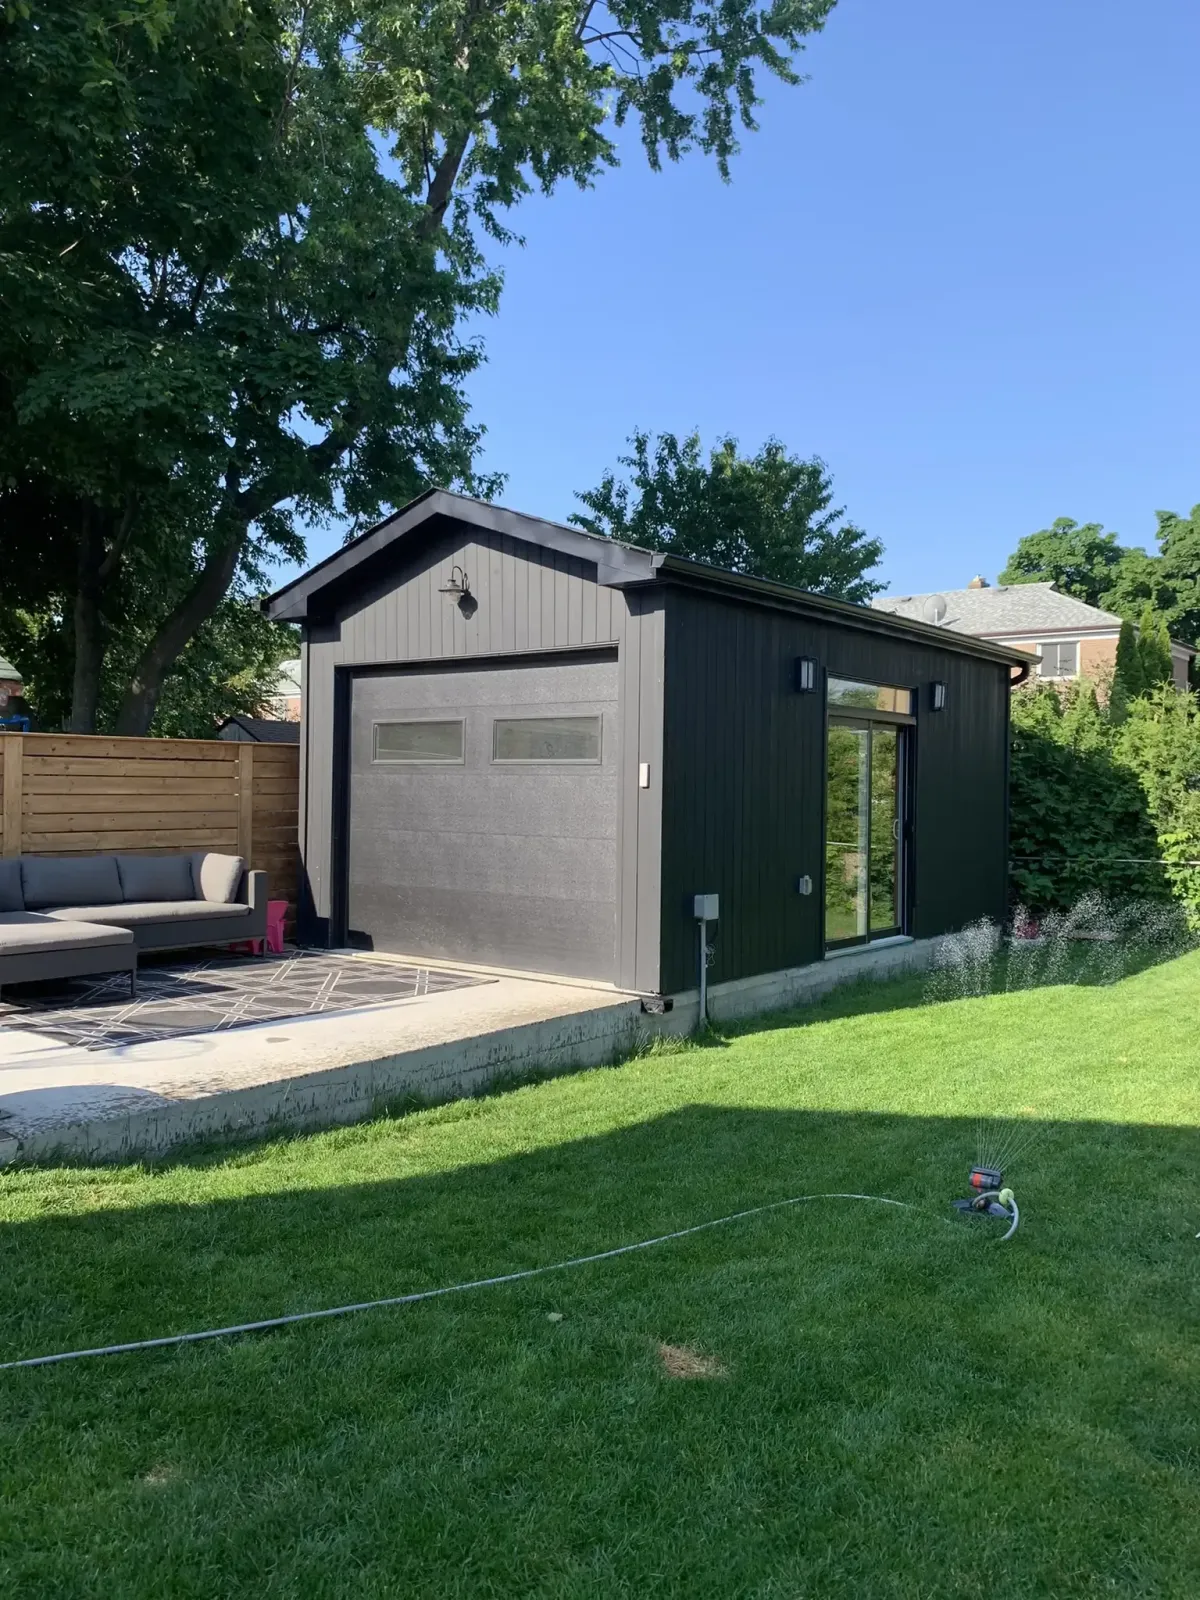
(863,827)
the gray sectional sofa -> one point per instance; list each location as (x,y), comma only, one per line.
(68,916)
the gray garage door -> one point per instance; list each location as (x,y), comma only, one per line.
(483,814)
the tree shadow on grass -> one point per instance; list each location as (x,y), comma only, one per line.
(378,1453)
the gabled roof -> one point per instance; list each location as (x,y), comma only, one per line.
(615,562)
(318,591)
(1013,608)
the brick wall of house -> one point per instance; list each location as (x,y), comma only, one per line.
(1098,658)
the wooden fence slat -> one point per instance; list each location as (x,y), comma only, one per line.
(160,840)
(36,783)
(90,747)
(123,822)
(245,824)
(13,770)
(163,768)
(46,805)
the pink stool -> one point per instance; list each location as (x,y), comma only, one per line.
(276,916)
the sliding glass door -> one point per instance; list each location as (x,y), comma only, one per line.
(864,830)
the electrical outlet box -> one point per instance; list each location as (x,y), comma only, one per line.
(804,885)
(705,907)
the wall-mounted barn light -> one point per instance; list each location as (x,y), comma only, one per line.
(937,697)
(459,586)
(806,675)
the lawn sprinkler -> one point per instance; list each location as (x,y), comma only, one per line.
(989,1198)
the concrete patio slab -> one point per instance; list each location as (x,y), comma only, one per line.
(144,1098)
(135,1099)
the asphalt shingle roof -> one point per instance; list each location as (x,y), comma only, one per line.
(1013,608)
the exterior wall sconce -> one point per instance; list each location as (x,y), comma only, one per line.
(937,697)
(459,585)
(805,675)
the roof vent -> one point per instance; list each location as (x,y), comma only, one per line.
(978,583)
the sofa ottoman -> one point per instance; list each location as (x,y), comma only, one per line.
(34,947)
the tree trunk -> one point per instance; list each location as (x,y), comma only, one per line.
(88,624)
(160,655)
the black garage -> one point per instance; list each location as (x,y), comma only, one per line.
(525,747)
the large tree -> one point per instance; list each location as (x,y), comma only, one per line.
(1079,559)
(1084,560)
(770,514)
(239,238)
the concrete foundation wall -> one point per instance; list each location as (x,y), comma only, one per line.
(453,1069)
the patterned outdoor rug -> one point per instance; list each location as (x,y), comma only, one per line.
(209,996)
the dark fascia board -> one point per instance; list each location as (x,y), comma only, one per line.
(763,591)
(616,564)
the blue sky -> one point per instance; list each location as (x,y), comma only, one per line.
(961,263)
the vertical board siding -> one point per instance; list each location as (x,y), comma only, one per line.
(744,772)
(79,794)
(528,599)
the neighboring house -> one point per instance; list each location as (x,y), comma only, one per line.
(527,747)
(10,684)
(285,702)
(1074,640)
(259,730)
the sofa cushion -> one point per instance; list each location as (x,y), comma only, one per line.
(216,877)
(25,933)
(11,897)
(133,915)
(156,877)
(69,881)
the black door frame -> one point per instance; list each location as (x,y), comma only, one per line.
(906,727)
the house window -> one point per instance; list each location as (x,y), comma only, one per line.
(546,739)
(418,741)
(1059,660)
(844,694)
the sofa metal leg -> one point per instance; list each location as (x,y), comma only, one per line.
(133,983)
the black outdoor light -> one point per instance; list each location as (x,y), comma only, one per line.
(459,585)
(937,697)
(806,675)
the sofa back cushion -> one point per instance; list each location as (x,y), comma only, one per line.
(216,877)
(156,878)
(11,896)
(69,881)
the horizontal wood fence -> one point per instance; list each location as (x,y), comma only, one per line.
(77,794)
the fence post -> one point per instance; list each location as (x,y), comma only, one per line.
(246,802)
(13,745)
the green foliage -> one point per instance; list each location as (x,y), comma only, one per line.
(1078,817)
(1085,561)
(1129,679)
(228,666)
(1098,801)
(1160,741)
(1081,560)
(1154,648)
(770,514)
(239,240)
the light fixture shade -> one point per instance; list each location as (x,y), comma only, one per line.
(805,675)
(937,697)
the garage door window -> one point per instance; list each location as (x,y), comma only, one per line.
(418,741)
(575,739)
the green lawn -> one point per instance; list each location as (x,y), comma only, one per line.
(894,1406)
